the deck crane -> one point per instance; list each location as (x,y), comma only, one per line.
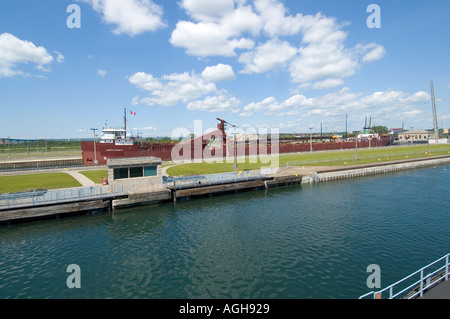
(221,126)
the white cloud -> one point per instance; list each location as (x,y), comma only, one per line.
(219,72)
(319,59)
(146,128)
(130,17)
(59,57)
(275,21)
(324,55)
(272,54)
(376,53)
(215,33)
(412,113)
(15,51)
(102,73)
(204,9)
(385,106)
(171,89)
(327,84)
(218,103)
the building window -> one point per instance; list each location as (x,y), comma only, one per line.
(136,172)
(120,173)
(150,171)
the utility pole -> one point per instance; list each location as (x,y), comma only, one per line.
(436,129)
(346,135)
(95,148)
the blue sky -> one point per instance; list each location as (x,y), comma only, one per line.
(289,65)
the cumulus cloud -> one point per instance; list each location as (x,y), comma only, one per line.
(102,73)
(216,31)
(267,56)
(130,17)
(385,105)
(218,103)
(255,34)
(171,89)
(59,57)
(219,72)
(14,51)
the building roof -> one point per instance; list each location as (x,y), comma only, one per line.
(416,131)
(131,161)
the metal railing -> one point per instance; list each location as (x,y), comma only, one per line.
(212,179)
(434,275)
(41,197)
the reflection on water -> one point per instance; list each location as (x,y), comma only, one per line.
(310,241)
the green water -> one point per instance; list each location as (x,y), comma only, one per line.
(310,241)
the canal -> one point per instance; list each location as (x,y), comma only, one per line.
(310,241)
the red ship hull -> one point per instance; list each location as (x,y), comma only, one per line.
(172,152)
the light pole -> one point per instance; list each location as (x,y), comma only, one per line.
(95,148)
(346,116)
(310,139)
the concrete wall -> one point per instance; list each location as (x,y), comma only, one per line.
(382,169)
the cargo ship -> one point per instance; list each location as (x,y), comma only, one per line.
(114,143)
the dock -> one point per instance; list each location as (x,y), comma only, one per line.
(19,207)
(56,203)
(91,199)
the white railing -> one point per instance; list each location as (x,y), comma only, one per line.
(213,179)
(41,197)
(428,277)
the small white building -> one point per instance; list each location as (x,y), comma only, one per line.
(415,136)
(134,169)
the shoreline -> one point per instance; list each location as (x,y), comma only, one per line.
(283,177)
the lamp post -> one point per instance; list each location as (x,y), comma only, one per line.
(95,148)
(310,139)
(346,135)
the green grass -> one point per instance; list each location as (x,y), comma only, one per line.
(324,158)
(96,175)
(18,183)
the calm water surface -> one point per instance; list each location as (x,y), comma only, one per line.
(310,241)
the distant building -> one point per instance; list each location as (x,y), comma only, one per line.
(396,130)
(415,136)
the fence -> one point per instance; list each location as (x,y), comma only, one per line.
(213,179)
(434,275)
(42,196)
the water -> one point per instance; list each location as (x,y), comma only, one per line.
(310,241)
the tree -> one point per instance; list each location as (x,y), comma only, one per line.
(380,129)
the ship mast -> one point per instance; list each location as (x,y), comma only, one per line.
(125,121)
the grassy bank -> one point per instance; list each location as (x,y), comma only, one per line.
(18,183)
(323,158)
(96,175)
(39,150)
